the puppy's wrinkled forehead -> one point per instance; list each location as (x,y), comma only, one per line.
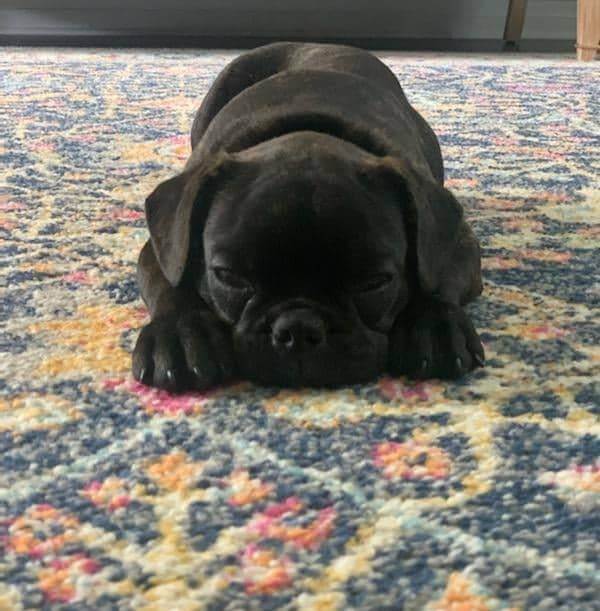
(302,224)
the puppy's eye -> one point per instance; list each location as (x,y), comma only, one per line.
(373,283)
(231,279)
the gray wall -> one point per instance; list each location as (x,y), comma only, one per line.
(429,19)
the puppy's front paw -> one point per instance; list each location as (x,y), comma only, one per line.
(183,351)
(435,340)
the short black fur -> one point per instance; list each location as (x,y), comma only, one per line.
(309,240)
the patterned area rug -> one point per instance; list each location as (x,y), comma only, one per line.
(481,494)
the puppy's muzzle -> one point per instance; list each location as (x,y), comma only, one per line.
(298,331)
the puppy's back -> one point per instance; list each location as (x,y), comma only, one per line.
(336,89)
(258,64)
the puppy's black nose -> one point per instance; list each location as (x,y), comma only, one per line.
(298,330)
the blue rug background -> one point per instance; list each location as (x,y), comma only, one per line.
(477,494)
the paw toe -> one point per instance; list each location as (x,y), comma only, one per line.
(142,366)
(203,376)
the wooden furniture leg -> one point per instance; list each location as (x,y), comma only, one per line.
(515,18)
(588,29)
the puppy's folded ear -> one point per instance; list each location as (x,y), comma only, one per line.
(169,211)
(441,244)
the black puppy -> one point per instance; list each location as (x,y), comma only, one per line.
(309,240)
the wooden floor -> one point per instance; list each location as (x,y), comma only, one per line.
(247,42)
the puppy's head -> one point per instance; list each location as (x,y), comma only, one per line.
(307,246)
